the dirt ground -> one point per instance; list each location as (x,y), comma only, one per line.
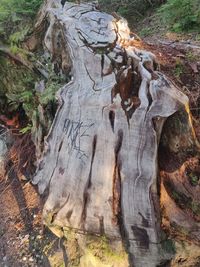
(23,239)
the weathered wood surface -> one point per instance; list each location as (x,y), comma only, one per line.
(3,148)
(100,158)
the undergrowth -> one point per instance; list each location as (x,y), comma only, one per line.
(182,15)
(133,11)
(21,85)
(16,17)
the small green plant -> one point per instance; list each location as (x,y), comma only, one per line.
(178,71)
(176,196)
(193,179)
(49,93)
(178,68)
(19,36)
(26,129)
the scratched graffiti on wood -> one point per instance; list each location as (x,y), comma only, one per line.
(75,130)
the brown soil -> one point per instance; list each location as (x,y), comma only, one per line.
(23,241)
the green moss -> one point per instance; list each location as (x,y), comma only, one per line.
(169,246)
(74,251)
(101,247)
(48,247)
(99,250)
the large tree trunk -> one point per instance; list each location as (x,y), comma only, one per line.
(100,158)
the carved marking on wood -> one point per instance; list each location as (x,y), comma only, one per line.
(75,130)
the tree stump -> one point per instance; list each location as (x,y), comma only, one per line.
(99,166)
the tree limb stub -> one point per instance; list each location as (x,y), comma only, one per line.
(100,160)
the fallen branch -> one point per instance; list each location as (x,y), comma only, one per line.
(19,60)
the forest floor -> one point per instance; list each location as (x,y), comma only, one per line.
(23,240)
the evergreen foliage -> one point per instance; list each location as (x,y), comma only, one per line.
(182,15)
(179,15)
(15,14)
(131,10)
(17,82)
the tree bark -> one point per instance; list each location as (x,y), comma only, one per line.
(99,166)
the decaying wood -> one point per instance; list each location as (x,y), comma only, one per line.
(100,158)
